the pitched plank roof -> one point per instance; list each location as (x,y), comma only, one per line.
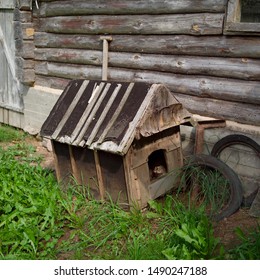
(109,115)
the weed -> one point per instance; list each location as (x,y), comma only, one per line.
(29,222)
(204,188)
(35,214)
(249,249)
(38,221)
(8,134)
(188,233)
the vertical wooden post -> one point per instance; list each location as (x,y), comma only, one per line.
(105,40)
(99,176)
(56,163)
(74,167)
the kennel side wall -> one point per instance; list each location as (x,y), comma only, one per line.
(141,187)
(102,173)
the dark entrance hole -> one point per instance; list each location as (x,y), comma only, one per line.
(157,164)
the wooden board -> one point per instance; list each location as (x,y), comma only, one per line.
(141,186)
(112,171)
(223,46)
(235,111)
(200,86)
(195,24)
(78,7)
(84,170)
(62,163)
(245,69)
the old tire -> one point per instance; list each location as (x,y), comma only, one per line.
(237,139)
(234,139)
(236,192)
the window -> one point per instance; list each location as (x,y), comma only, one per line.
(250,11)
(243,16)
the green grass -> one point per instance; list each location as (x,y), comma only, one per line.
(102,230)
(36,216)
(249,247)
(8,134)
(29,213)
(204,188)
(39,221)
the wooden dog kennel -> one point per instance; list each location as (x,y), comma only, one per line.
(117,138)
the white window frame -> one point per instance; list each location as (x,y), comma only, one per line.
(233,25)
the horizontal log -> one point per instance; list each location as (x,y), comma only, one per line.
(218,88)
(51,82)
(225,46)
(25,49)
(24,5)
(26,76)
(22,16)
(23,31)
(92,7)
(24,63)
(70,56)
(247,69)
(234,111)
(195,24)
(239,112)
(68,71)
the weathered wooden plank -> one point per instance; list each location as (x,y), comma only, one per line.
(210,66)
(242,28)
(226,110)
(24,48)
(80,41)
(62,164)
(27,77)
(23,31)
(201,86)
(51,82)
(69,55)
(24,5)
(10,85)
(101,185)
(24,63)
(226,46)
(25,71)
(7,4)
(195,24)
(79,7)
(67,71)
(22,16)
(235,111)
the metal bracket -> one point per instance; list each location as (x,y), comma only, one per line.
(200,127)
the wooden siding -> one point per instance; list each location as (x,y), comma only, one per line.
(78,7)
(24,42)
(179,43)
(9,84)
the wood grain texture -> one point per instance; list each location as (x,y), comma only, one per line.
(79,7)
(202,86)
(223,46)
(195,24)
(245,69)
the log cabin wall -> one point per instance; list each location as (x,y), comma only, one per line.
(179,43)
(24,42)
